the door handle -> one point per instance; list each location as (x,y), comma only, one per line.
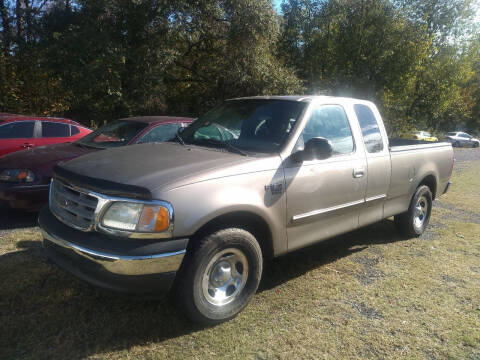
(358,172)
(27,145)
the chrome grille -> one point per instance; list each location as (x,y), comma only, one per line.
(72,206)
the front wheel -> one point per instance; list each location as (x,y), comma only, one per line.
(220,276)
(414,222)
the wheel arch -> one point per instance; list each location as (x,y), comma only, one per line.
(431,181)
(246,220)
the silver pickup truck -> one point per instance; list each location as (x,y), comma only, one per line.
(254,178)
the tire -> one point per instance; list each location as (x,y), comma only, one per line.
(455,144)
(219,276)
(415,221)
(475,144)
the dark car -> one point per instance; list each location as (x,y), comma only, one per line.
(20,132)
(25,176)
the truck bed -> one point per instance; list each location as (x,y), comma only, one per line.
(398,144)
(412,162)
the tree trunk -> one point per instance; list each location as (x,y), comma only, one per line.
(20,20)
(7,35)
(28,20)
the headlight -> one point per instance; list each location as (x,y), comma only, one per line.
(17,175)
(137,217)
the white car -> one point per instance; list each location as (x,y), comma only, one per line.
(458,138)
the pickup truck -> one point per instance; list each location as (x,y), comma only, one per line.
(252,179)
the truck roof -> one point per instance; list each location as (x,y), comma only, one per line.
(304,98)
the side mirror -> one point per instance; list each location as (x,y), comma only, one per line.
(317,148)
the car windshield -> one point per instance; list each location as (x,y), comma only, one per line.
(114,134)
(252,125)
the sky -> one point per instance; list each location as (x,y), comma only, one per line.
(276,4)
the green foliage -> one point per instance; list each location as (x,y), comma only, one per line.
(106,59)
(407,56)
(99,60)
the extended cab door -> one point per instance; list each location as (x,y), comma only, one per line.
(378,162)
(324,196)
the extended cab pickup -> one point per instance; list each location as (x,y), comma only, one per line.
(251,179)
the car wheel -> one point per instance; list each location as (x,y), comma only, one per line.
(455,144)
(219,276)
(414,222)
(475,144)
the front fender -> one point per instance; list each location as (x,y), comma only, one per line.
(197,204)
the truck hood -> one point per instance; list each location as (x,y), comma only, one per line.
(165,166)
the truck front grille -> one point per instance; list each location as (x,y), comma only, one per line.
(72,206)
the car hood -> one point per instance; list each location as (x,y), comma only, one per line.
(42,159)
(165,166)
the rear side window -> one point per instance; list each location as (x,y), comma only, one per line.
(17,130)
(74,129)
(331,123)
(51,129)
(161,133)
(370,130)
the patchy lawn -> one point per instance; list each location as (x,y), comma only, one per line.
(367,294)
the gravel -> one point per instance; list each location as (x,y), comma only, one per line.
(466,154)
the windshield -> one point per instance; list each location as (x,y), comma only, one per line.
(256,125)
(116,133)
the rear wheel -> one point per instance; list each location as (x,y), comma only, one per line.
(220,276)
(415,221)
(475,144)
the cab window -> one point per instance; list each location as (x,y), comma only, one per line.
(372,137)
(329,122)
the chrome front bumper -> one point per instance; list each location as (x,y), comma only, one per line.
(124,265)
(118,264)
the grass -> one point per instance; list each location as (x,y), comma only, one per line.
(367,294)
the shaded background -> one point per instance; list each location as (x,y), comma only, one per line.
(95,61)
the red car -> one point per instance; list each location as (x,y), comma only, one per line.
(18,132)
(25,175)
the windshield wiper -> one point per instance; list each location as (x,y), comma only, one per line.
(223,144)
(234,148)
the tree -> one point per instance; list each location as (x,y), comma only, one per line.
(405,55)
(6,31)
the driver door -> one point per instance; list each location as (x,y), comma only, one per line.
(324,196)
